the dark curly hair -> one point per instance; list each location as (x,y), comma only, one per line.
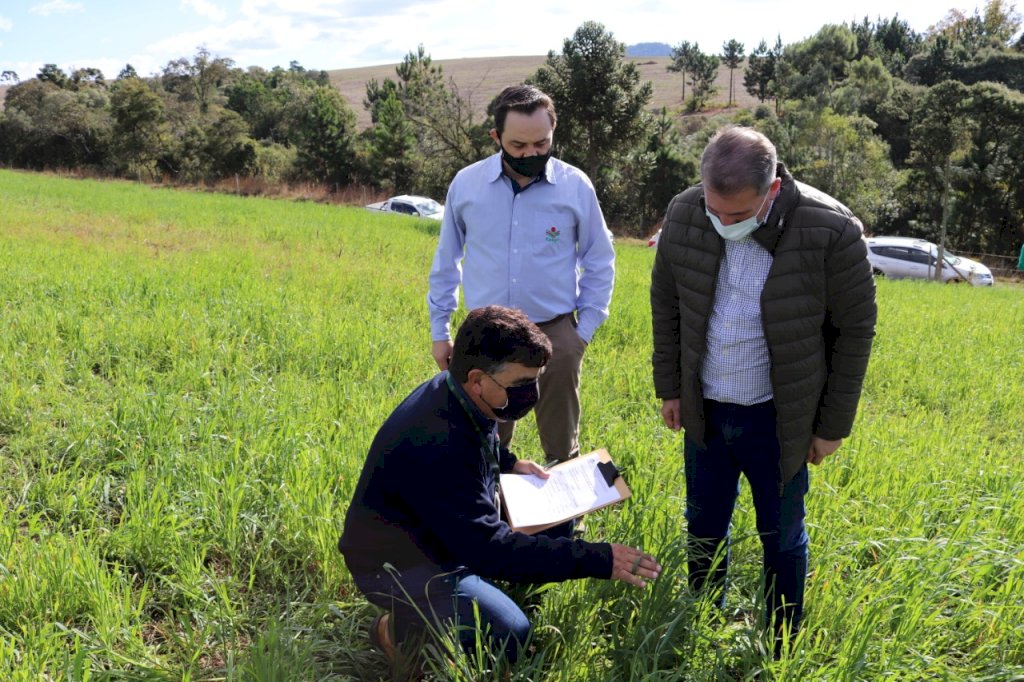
(492,337)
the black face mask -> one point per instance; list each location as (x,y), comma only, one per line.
(528,166)
(521,400)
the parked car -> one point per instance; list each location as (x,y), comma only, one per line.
(409,204)
(899,257)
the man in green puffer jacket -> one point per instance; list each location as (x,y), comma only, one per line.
(763,309)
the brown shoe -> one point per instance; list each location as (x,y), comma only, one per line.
(381,637)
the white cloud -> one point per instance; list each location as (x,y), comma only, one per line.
(6,24)
(204,8)
(56,7)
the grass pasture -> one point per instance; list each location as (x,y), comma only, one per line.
(189,383)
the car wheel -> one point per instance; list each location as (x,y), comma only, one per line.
(955,280)
(877,273)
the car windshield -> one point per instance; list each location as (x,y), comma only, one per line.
(428,206)
(950,258)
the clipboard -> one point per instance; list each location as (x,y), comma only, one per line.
(576,487)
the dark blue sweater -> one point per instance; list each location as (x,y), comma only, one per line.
(426,496)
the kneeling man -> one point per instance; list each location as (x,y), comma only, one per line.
(424,534)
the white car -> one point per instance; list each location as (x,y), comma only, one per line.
(409,204)
(899,257)
(655,238)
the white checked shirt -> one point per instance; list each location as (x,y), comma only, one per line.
(737,364)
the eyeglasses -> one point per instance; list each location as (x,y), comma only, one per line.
(529,383)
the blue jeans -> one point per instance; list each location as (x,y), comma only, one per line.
(426,600)
(742,439)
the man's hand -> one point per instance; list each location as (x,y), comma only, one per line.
(442,352)
(670,413)
(525,466)
(632,565)
(821,448)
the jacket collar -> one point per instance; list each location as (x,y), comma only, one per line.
(789,196)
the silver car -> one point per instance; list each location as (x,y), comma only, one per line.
(408,204)
(899,257)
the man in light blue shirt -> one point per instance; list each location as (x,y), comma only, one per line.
(524,230)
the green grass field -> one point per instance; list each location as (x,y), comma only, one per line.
(189,383)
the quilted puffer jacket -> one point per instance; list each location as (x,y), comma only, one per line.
(817,307)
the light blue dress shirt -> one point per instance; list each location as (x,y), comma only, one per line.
(737,364)
(545,250)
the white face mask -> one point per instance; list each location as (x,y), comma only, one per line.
(742,228)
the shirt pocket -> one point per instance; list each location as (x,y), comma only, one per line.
(552,234)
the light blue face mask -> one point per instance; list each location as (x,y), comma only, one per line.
(742,228)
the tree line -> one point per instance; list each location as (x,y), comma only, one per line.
(908,129)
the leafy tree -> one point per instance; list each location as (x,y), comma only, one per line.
(392,159)
(9,76)
(760,72)
(315,76)
(895,43)
(997,66)
(996,27)
(841,156)
(49,127)
(893,118)
(327,138)
(51,73)
(271,102)
(139,126)
(642,185)
(251,98)
(869,84)
(127,72)
(199,80)
(988,185)
(210,148)
(732,57)
(77,126)
(442,118)
(964,170)
(702,80)
(941,136)
(377,93)
(228,150)
(820,63)
(937,62)
(783,75)
(600,100)
(28,96)
(683,56)
(85,78)
(890,40)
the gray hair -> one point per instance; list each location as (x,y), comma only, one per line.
(736,159)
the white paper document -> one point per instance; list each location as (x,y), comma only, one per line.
(574,488)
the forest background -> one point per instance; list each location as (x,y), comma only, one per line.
(899,125)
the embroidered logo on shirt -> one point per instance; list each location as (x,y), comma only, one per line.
(552,235)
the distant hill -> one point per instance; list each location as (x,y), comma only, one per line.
(480,79)
(649,50)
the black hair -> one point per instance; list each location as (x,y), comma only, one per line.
(491,337)
(525,99)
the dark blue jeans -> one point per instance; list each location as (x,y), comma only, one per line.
(742,439)
(425,601)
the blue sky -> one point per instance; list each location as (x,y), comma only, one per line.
(337,34)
